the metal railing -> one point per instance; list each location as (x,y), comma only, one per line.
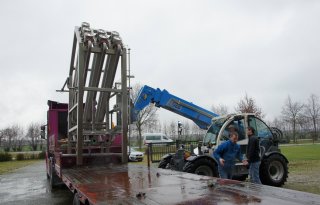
(156,151)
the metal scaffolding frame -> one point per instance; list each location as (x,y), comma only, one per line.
(94,61)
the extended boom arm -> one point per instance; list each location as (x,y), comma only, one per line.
(164,99)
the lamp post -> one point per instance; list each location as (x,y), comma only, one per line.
(129,76)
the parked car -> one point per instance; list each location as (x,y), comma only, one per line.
(134,155)
(150,138)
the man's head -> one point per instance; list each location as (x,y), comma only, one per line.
(233,137)
(232,128)
(250,131)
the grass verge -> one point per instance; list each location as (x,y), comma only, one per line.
(304,166)
(10,166)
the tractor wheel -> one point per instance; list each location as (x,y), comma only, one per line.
(274,170)
(201,167)
(164,162)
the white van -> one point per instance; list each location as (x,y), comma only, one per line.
(149,138)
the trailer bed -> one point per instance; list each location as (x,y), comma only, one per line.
(138,184)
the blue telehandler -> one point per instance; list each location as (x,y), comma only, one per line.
(274,165)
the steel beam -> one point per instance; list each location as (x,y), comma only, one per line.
(124,106)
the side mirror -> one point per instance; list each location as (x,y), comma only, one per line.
(43,132)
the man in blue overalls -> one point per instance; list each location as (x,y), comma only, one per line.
(226,154)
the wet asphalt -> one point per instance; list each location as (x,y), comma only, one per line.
(29,186)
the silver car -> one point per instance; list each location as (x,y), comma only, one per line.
(134,155)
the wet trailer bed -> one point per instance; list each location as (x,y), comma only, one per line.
(138,184)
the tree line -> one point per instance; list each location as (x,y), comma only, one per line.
(14,137)
(298,120)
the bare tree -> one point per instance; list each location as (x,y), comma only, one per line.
(17,140)
(186,128)
(220,109)
(2,136)
(152,124)
(248,105)
(312,111)
(33,134)
(197,132)
(165,128)
(282,125)
(10,134)
(173,128)
(291,111)
(303,125)
(146,117)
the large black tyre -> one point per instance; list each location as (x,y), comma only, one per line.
(164,162)
(54,180)
(52,177)
(201,166)
(274,170)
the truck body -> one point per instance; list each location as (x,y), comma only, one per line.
(87,152)
(274,165)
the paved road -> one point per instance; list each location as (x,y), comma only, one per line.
(29,186)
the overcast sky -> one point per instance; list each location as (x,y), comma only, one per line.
(207,52)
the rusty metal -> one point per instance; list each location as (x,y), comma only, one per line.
(135,184)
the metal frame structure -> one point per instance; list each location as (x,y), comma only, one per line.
(94,61)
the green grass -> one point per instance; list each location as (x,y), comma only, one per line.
(301,152)
(10,166)
(304,166)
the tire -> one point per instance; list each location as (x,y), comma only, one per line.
(76,200)
(164,162)
(274,170)
(52,177)
(201,166)
(54,180)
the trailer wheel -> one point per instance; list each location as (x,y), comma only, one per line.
(164,162)
(76,200)
(274,170)
(201,166)
(53,178)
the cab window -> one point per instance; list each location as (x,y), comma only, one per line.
(238,124)
(213,131)
(262,130)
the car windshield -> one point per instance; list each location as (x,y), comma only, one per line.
(213,131)
(131,149)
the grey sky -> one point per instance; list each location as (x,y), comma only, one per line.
(207,52)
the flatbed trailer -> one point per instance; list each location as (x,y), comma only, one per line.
(137,184)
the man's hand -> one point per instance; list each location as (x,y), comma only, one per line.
(245,162)
(221,161)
